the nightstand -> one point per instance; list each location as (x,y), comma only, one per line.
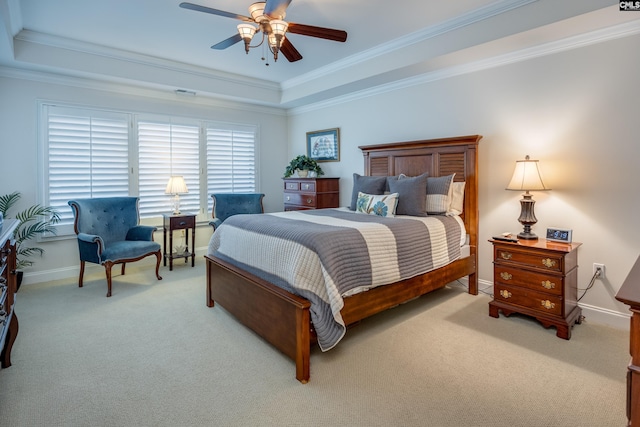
(538,278)
(179,222)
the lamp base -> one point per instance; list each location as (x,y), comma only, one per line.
(527,217)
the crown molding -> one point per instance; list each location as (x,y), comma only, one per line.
(136,90)
(480,14)
(47,40)
(574,42)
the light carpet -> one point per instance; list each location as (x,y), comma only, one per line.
(154,355)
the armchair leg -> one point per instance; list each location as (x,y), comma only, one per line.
(81,274)
(107,267)
(122,271)
(159,257)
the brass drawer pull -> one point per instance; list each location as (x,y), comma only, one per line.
(505,294)
(548,262)
(505,255)
(288,198)
(548,285)
(506,276)
(309,201)
(305,186)
(548,304)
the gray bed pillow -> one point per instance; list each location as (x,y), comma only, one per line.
(368,185)
(439,194)
(412,191)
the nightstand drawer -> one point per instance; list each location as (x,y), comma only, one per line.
(542,302)
(541,282)
(531,259)
(300,199)
(180,222)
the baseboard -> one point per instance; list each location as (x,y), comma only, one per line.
(30,278)
(591,313)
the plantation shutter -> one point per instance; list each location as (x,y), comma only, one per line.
(166,149)
(87,156)
(231,159)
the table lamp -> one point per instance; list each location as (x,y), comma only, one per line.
(176,186)
(526,177)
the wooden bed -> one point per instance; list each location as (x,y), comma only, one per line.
(283,318)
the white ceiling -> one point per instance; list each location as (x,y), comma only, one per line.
(153,43)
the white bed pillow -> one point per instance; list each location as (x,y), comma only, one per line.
(374,204)
(457,199)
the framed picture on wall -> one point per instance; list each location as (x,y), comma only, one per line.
(324,145)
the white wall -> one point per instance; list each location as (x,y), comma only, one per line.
(18,144)
(575,111)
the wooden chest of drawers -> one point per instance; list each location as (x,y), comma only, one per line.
(8,289)
(311,193)
(537,278)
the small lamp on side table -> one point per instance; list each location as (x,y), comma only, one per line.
(526,177)
(176,186)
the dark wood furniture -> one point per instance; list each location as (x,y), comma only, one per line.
(8,289)
(311,193)
(179,222)
(538,278)
(283,318)
(629,294)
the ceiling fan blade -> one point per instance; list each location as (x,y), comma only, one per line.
(319,32)
(290,52)
(198,8)
(275,9)
(228,42)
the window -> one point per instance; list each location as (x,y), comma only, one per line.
(231,160)
(166,149)
(99,153)
(87,156)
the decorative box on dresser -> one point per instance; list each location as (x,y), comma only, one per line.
(538,278)
(8,289)
(629,294)
(311,193)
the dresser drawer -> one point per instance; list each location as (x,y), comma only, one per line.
(538,301)
(528,279)
(180,222)
(544,261)
(292,185)
(300,199)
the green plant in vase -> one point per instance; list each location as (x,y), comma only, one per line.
(33,221)
(303,164)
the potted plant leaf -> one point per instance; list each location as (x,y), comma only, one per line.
(33,221)
(303,164)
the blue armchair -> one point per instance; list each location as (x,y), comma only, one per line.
(227,204)
(109,233)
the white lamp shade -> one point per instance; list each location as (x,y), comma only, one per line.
(279,27)
(256,10)
(246,31)
(176,185)
(526,176)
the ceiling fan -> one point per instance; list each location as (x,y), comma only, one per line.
(267,17)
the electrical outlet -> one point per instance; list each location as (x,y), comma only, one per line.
(597,266)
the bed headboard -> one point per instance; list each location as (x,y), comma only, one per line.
(438,157)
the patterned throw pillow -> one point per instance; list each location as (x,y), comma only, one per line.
(380,205)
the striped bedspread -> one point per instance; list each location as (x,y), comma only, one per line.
(327,254)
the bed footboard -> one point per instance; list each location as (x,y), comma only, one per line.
(278,316)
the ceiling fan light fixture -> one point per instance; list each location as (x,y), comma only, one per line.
(247,31)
